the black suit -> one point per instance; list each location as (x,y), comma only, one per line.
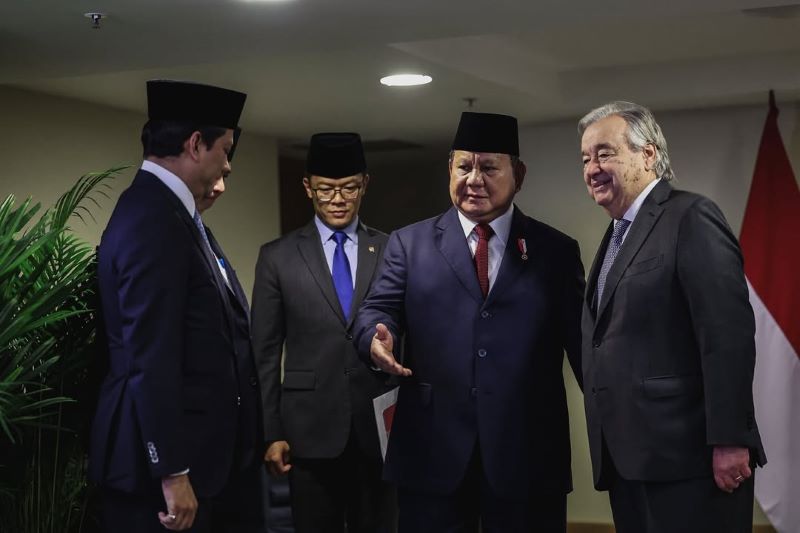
(323,408)
(181,390)
(668,356)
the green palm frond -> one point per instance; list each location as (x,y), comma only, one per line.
(45,278)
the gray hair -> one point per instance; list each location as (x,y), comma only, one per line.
(642,129)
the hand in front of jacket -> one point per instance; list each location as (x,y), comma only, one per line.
(181,503)
(277,458)
(731,467)
(380,351)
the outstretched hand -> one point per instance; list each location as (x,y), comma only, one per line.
(380,352)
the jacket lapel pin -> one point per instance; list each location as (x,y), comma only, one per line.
(371,249)
(523,248)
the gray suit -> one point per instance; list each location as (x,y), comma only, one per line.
(668,358)
(323,408)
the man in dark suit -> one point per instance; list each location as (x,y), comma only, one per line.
(175,434)
(488,299)
(668,351)
(319,423)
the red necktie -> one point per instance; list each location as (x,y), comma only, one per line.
(484,232)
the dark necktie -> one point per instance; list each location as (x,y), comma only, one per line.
(614,245)
(342,277)
(484,232)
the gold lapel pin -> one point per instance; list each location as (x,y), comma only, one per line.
(371,249)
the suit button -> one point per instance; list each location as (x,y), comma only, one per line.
(253,381)
(481,353)
(485,314)
(348,337)
(473,392)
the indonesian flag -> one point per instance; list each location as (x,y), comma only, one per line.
(771,245)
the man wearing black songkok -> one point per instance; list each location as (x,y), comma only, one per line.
(488,300)
(176,435)
(319,425)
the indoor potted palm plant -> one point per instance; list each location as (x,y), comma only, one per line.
(47,333)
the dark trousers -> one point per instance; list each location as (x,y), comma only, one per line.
(474,502)
(687,506)
(684,506)
(346,491)
(237,509)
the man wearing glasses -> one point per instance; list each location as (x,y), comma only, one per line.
(319,424)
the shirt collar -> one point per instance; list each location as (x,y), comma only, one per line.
(630,214)
(501,225)
(173,182)
(325,232)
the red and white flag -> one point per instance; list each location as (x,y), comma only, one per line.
(770,243)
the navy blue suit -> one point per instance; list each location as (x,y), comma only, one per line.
(181,391)
(485,372)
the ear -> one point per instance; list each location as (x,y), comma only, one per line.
(364,184)
(307,186)
(519,174)
(649,153)
(192,145)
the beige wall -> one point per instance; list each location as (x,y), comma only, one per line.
(713,152)
(48,142)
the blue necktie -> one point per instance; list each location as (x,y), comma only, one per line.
(342,278)
(202,229)
(614,245)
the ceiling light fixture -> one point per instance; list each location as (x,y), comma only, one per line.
(405,80)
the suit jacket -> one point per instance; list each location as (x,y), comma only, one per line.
(181,389)
(326,389)
(484,371)
(668,357)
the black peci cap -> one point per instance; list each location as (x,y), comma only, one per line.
(487,132)
(236,133)
(335,155)
(200,104)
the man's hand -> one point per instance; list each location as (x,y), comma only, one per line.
(731,467)
(181,503)
(277,458)
(380,351)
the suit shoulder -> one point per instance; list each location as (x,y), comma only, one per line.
(687,200)
(549,232)
(284,241)
(422,226)
(375,233)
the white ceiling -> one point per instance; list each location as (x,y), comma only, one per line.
(311,65)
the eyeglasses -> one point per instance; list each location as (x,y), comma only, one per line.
(327,194)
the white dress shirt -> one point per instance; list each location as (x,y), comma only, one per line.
(497,243)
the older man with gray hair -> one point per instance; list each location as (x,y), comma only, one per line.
(668,351)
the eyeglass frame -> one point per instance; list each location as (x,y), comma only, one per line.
(340,190)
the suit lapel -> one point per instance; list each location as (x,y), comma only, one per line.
(235,286)
(512,264)
(369,250)
(642,225)
(454,248)
(310,248)
(183,215)
(180,211)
